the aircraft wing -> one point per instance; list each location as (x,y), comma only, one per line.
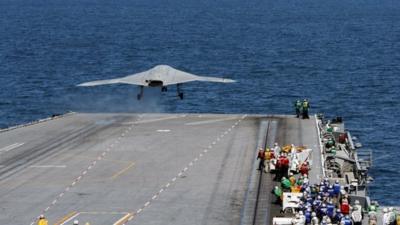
(162,74)
(136,79)
(170,76)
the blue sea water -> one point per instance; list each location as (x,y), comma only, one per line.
(344,55)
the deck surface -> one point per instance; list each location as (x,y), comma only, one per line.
(160,168)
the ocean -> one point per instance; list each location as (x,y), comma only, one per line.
(344,56)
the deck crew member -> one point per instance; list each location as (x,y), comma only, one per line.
(42,220)
(305,108)
(356,216)
(286,185)
(297,106)
(277,149)
(284,166)
(261,156)
(278,194)
(268,156)
(304,168)
(392,216)
(372,214)
(385,217)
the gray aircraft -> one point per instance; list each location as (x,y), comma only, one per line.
(159,76)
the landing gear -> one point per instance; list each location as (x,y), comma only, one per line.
(140,95)
(180,94)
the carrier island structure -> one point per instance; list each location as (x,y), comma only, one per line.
(114,169)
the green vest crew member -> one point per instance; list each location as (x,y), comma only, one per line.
(297,106)
(305,107)
(278,193)
(286,185)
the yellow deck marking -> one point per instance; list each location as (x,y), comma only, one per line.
(65,218)
(119,173)
(123,219)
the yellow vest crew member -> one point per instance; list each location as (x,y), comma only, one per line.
(42,220)
(268,155)
(305,107)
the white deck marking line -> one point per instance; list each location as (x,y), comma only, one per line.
(11,147)
(163,131)
(83,173)
(48,166)
(162,189)
(191,164)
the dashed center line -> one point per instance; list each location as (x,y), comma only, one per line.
(48,166)
(180,173)
(92,164)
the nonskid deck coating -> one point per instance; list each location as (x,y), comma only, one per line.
(149,168)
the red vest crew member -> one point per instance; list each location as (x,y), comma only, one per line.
(304,168)
(261,157)
(285,165)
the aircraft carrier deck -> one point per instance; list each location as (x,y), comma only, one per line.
(111,169)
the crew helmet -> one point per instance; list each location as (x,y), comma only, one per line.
(385,210)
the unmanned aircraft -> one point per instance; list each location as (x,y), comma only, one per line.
(159,76)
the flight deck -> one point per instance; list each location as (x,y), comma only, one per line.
(114,169)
